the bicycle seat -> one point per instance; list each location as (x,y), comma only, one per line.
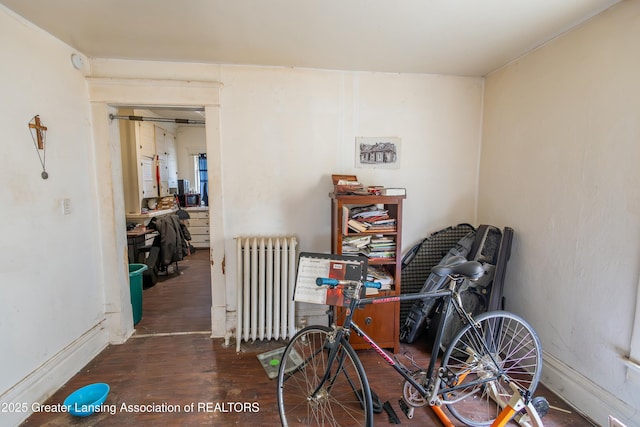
(459,266)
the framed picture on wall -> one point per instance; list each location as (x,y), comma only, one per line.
(378,152)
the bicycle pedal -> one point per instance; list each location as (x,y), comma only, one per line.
(541,405)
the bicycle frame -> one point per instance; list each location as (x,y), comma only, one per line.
(450,297)
(431,390)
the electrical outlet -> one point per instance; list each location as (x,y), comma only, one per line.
(66,206)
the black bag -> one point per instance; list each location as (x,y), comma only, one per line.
(487,245)
(421,312)
(492,249)
(418,262)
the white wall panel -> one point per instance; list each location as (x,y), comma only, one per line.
(559,164)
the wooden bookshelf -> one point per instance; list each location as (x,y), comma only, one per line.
(381,321)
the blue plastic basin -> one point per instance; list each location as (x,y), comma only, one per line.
(85,400)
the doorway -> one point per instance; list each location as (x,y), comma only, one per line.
(157,146)
(107,92)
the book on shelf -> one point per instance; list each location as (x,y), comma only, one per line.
(345,220)
(382,247)
(380,274)
(382,221)
(350,250)
(381,255)
(369,218)
(356,210)
(371,215)
(371,291)
(387,228)
(357,241)
(375,190)
(382,239)
(380,260)
(353,244)
(381,243)
(372,253)
(363,227)
(393,191)
(357,226)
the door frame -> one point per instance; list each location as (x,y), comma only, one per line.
(105,93)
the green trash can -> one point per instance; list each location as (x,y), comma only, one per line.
(135,283)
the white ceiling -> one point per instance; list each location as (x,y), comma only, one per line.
(458,37)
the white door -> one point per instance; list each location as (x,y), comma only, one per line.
(148,177)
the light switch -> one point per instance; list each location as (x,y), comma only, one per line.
(66,206)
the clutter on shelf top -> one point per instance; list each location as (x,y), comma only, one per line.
(349,184)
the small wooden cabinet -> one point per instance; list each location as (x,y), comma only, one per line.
(381,321)
(198,226)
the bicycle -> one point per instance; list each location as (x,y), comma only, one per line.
(487,374)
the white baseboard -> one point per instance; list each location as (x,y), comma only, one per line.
(42,383)
(586,397)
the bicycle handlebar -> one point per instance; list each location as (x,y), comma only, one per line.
(326,281)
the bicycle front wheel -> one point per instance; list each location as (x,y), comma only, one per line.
(483,359)
(306,396)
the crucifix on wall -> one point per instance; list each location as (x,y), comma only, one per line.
(39,136)
(40,131)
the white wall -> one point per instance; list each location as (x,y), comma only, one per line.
(51,289)
(560,151)
(190,140)
(285,131)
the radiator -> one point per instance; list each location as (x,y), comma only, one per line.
(266,274)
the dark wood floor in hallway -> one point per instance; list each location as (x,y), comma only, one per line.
(181,300)
(177,375)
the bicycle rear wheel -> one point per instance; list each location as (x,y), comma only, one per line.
(344,399)
(502,346)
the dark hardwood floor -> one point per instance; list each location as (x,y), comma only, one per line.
(178,375)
